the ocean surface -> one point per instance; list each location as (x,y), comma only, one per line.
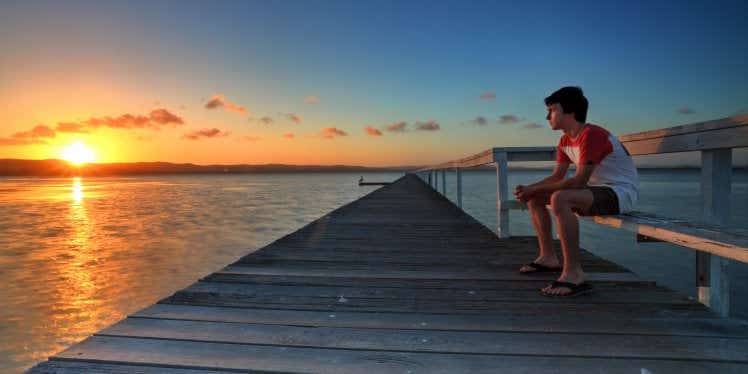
(77,255)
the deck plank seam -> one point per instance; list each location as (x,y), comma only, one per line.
(426,328)
(378,350)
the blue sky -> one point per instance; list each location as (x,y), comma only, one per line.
(643,65)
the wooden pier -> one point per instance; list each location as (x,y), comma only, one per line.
(403,281)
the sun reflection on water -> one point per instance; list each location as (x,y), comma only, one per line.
(80,285)
(77,191)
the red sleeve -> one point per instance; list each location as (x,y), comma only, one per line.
(561,157)
(594,145)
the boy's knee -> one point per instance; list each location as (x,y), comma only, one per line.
(559,202)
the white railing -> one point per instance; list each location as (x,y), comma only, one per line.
(713,243)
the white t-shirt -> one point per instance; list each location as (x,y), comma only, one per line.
(615,168)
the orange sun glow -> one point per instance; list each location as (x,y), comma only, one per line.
(78,153)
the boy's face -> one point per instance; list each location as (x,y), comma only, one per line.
(556,116)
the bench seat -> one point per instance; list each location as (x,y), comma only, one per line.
(717,240)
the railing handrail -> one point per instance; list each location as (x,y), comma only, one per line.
(728,132)
(715,139)
(489,156)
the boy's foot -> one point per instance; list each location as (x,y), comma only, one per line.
(541,265)
(566,289)
(535,267)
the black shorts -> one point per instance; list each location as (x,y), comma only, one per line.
(604,201)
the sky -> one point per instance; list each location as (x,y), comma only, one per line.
(354,82)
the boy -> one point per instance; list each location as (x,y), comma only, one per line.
(605,182)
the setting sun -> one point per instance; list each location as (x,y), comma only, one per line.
(78,153)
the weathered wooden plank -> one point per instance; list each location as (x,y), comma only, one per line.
(502,194)
(607,293)
(702,237)
(498,321)
(464,306)
(716,175)
(729,132)
(535,281)
(414,263)
(77,367)
(320,360)
(383,257)
(503,343)
(375,272)
(482,158)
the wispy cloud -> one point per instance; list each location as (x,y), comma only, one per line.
(31,137)
(251,138)
(289,135)
(488,96)
(295,118)
(532,125)
(507,119)
(480,121)
(205,133)
(20,141)
(686,110)
(429,125)
(372,131)
(266,120)
(399,126)
(219,101)
(71,127)
(162,116)
(156,119)
(39,131)
(333,132)
(311,99)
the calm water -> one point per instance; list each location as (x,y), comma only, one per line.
(77,255)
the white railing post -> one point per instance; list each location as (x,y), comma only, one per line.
(502,193)
(444,182)
(711,271)
(459,188)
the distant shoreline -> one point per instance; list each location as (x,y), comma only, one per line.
(59,168)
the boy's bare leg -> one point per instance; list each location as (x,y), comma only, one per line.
(563,204)
(541,219)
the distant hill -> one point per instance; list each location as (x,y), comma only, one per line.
(59,168)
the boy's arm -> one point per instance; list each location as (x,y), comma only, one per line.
(579,180)
(524,193)
(559,173)
(556,182)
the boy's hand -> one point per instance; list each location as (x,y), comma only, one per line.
(523,193)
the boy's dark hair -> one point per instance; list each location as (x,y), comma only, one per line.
(572,100)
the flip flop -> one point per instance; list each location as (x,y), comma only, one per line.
(576,289)
(540,269)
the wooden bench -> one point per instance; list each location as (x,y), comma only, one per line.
(714,139)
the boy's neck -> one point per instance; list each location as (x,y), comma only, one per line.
(574,130)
